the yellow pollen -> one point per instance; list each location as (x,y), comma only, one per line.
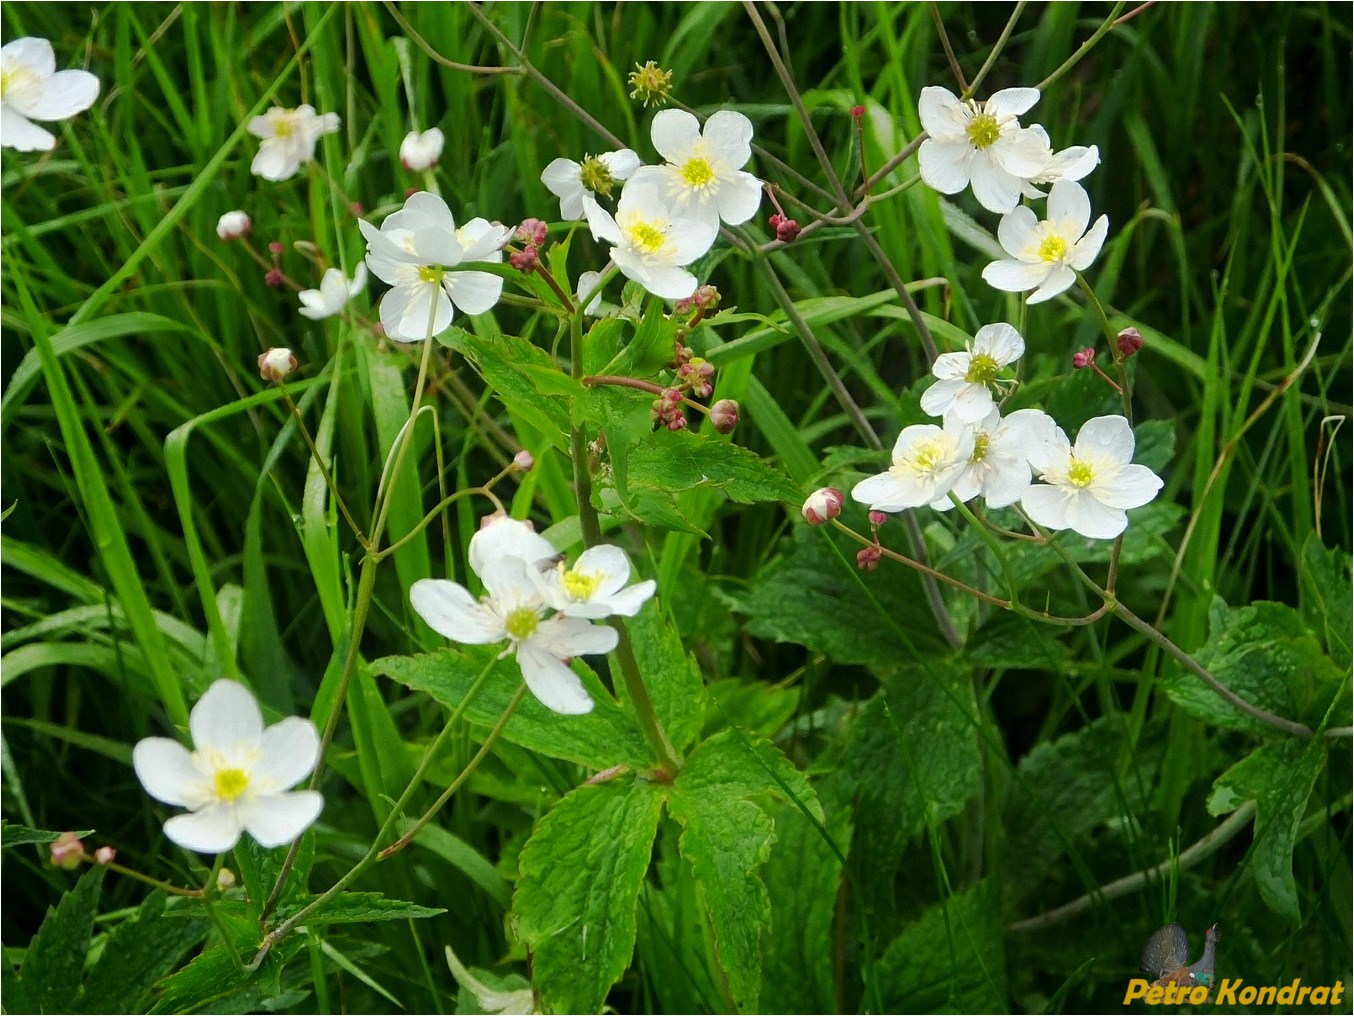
(980,442)
(982,369)
(697,173)
(521,623)
(580,585)
(1053,248)
(926,458)
(983,130)
(647,237)
(430,273)
(283,127)
(230,783)
(1080,474)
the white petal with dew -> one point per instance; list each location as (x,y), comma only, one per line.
(276,819)
(945,166)
(1132,487)
(1092,518)
(1110,436)
(1046,505)
(453,613)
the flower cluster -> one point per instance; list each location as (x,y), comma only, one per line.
(543,609)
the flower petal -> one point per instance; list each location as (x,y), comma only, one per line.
(473,292)
(740,195)
(1011,101)
(730,134)
(554,685)
(971,403)
(288,752)
(1069,206)
(274,162)
(1015,276)
(608,563)
(995,188)
(691,238)
(1132,487)
(1050,451)
(428,304)
(945,166)
(1087,249)
(890,492)
(1016,230)
(19,133)
(34,53)
(210,830)
(621,163)
(63,95)
(1092,518)
(943,116)
(674,131)
(1059,280)
(503,536)
(165,769)
(628,602)
(453,613)
(275,819)
(1110,436)
(567,637)
(225,717)
(1046,505)
(1001,342)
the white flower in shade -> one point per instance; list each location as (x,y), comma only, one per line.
(31,88)
(1073,163)
(421,151)
(652,241)
(595,587)
(999,466)
(289,137)
(335,291)
(703,178)
(1046,256)
(965,380)
(926,462)
(980,143)
(237,777)
(1088,487)
(416,251)
(234,225)
(577,184)
(587,283)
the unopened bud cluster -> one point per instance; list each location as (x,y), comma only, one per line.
(667,410)
(787,230)
(531,233)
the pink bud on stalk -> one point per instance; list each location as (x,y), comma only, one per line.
(823,504)
(868,558)
(707,297)
(233,225)
(67,851)
(523,461)
(276,363)
(1129,342)
(1083,358)
(724,416)
(787,230)
(532,232)
(878,518)
(525,260)
(105,855)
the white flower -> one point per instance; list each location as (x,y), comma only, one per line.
(980,143)
(421,151)
(237,778)
(415,251)
(289,137)
(335,291)
(595,586)
(31,88)
(703,178)
(234,225)
(275,363)
(577,183)
(999,467)
(653,241)
(1087,488)
(1073,163)
(507,556)
(1047,255)
(587,283)
(926,462)
(965,380)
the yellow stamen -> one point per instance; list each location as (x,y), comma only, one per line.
(230,783)
(1079,474)
(983,130)
(521,623)
(926,457)
(982,369)
(647,237)
(594,175)
(697,173)
(980,443)
(580,585)
(430,274)
(1053,248)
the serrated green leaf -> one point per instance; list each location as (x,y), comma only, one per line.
(211,977)
(12,835)
(603,738)
(579,882)
(515,369)
(651,349)
(1011,641)
(358,908)
(260,866)
(671,674)
(55,961)
(1324,577)
(137,954)
(677,461)
(1279,778)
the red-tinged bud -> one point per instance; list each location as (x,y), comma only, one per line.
(672,396)
(1129,342)
(410,192)
(275,248)
(787,231)
(532,232)
(707,297)
(233,225)
(823,504)
(684,305)
(857,111)
(724,416)
(105,855)
(525,260)
(678,422)
(67,851)
(878,518)
(356,208)
(275,364)
(1083,358)
(274,278)
(868,558)
(523,461)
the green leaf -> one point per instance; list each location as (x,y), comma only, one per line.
(603,738)
(1324,579)
(358,908)
(652,347)
(1265,654)
(671,674)
(260,866)
(518,372)
(1010,641)
(1279,778)
(580,876)
(952,960)
(1154,444)
(55,961)
(12,835)
(677,461)
(137,954)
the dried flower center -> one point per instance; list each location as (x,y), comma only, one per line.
(982,369)
(581,585)
(652,84)
(1052,248)
(697,173)
(1079,474)
(431,274)
(646,237)
(983,130)
(230,783)
(595,176)
(980,443)
(521,623)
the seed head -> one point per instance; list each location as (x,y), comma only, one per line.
(652,84)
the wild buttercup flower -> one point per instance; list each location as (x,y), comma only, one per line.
(233,225)
(421,151)
(31,88)
(980,143)
(1046,256)
(999,466)
(653,241)
(578,184)
(964,384)
(289,137)
(415,252)
(1087,487)
(703,177)
(237,778)
(336,289)
(926,462)
(595,587)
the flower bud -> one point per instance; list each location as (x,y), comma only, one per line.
(1129,342)
(724,416)
(105,855)
(523,461)
(678,422)
(356,208)
(684,305)
(276,363)
(868,558)
(532,232)
(823,504)
(787,230)
(857,111)
(274,278)
(1083,358)
(67,851)
(234,225)
(275,249)
(878,518)
(707,297)
(421,151)
(525,260)
(225,879)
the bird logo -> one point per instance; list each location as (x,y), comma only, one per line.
(1166,958)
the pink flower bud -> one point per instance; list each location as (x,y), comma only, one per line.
(275,364)
(684,305)
(707,297)
(274,277)
(1083,358)
(1129,342)
(787,230)
(678,422)
(532,232)
(275,248)
(523,461)
(67,851)
(672,396)
(233,225)
(823,504)
(525,260)
(724,416)
(105,855)
(356,208)
(868,558)
(878,518)
(857,111)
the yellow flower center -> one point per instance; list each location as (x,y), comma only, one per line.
(1079,474)
(982,369)
(595,176)
(983,130)
(647,237)
(1052,248)
(431,274)
(980,443)
(522,623)
(697,173)
(283,127)
(580,585)
(230,783)
(927,457)
(15,77)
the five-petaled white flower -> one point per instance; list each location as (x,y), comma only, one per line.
(926,462)
(703,178)
(416,251)
(421,151)
(965,380)
(595,587)
(652,241)
(237,777)
(999,467)
(1087,488)
(335,291)
(289,137)
(1046,256)
(31,88)
(980,143)
(577,184)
